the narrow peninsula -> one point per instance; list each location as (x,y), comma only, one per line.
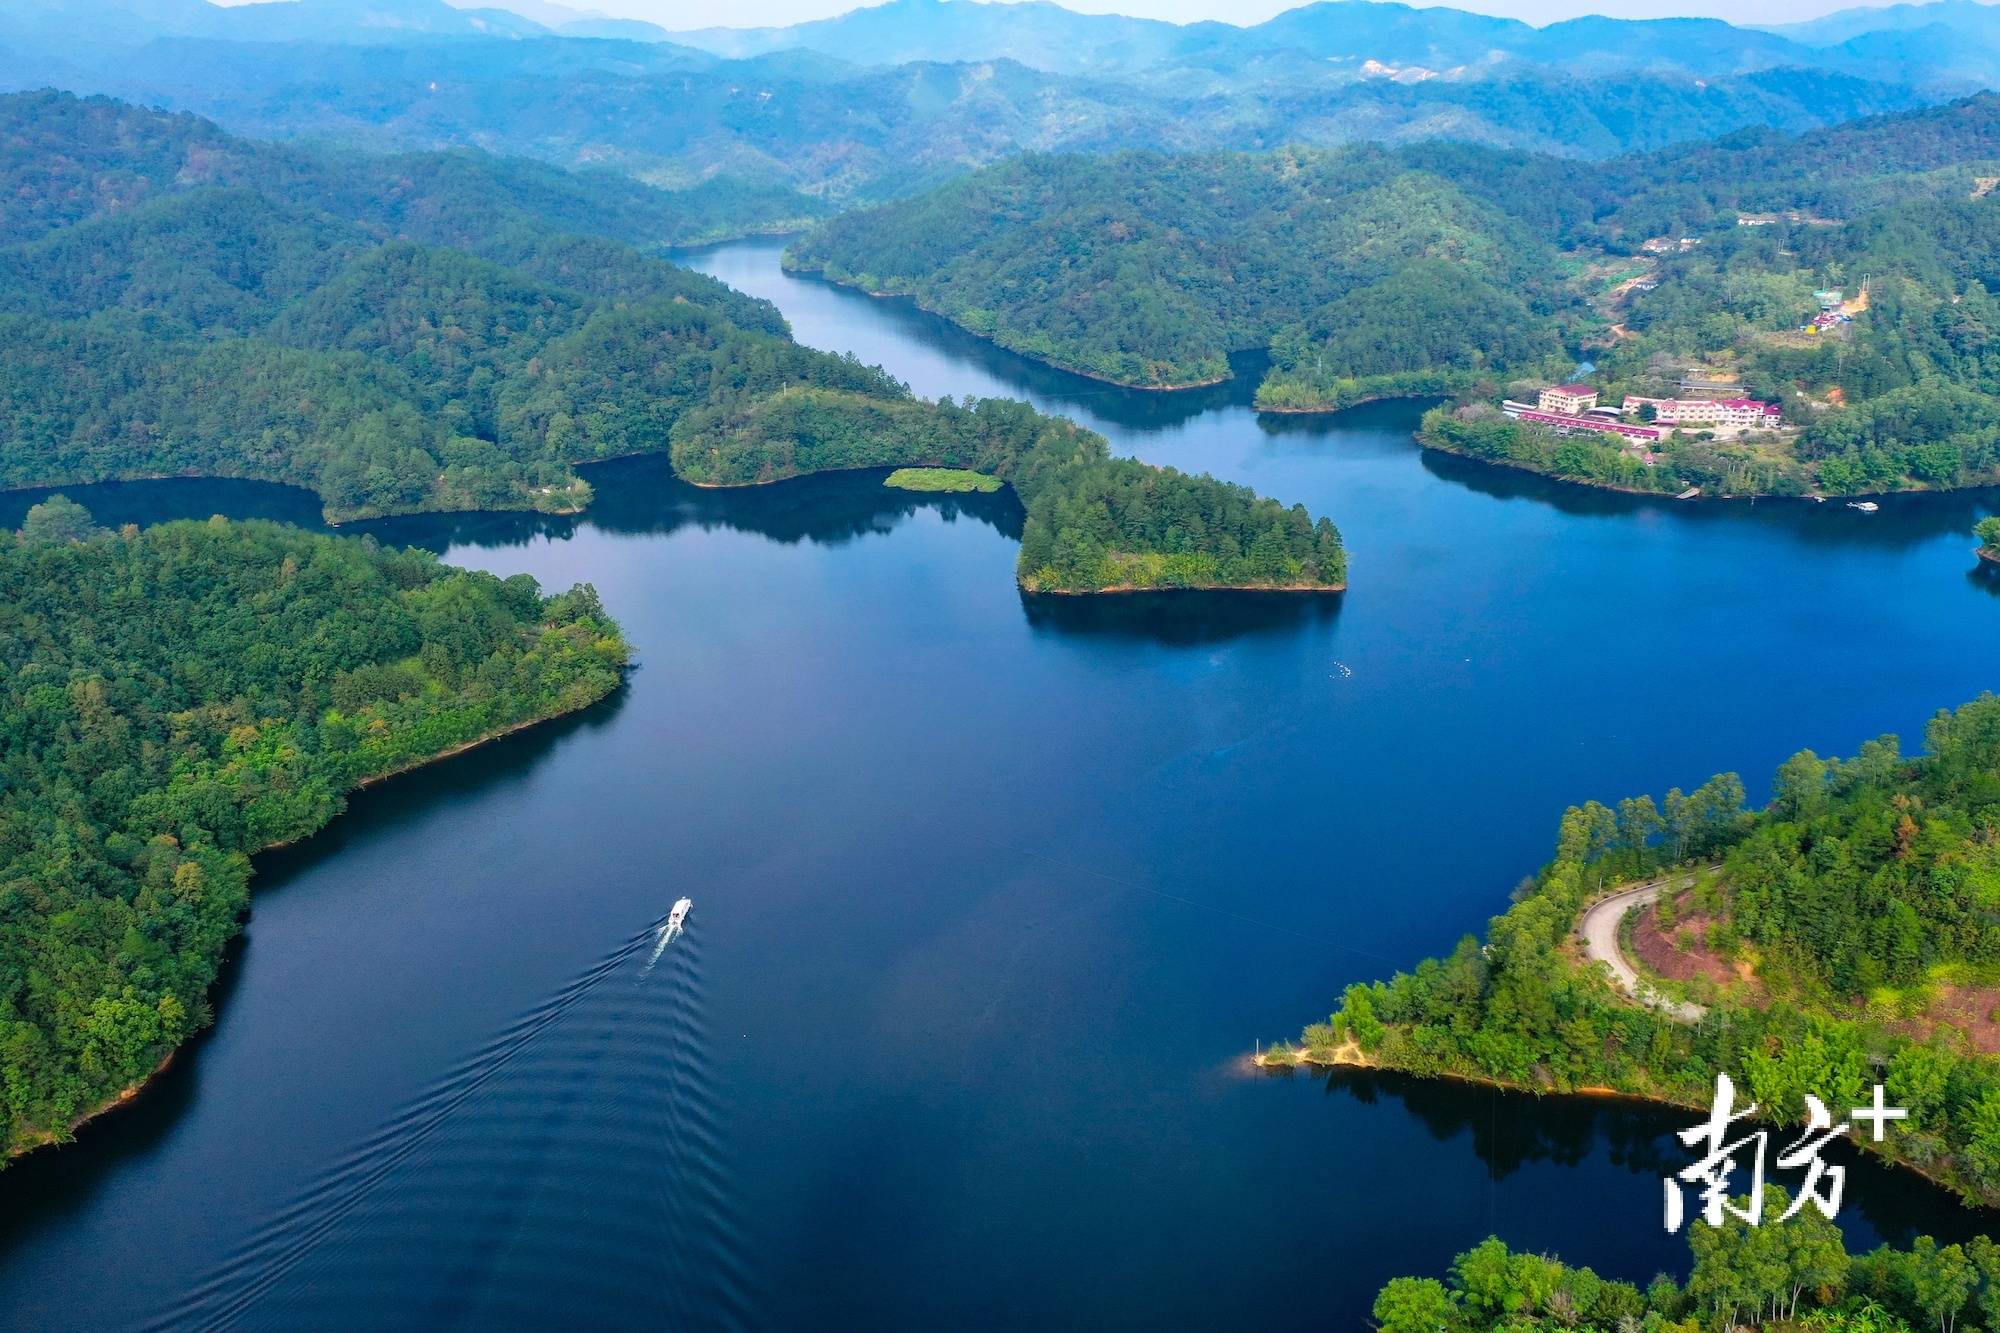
(1837,938)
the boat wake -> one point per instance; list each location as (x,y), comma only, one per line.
(570,1172)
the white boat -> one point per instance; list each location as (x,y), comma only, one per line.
(1865,506)
(676,919)
(675,922)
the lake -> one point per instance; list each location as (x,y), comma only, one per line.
(992,897)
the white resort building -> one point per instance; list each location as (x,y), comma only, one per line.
(1570,400)
(1718,414)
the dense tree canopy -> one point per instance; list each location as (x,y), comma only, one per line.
(172,701)
(1791,1274)
(423,333)
(1148,269)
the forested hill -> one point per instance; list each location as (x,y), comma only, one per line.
(385,331)
(1849,935)
(455,332)
(1900,392)
(67,158)
(1149,270)
(1454,269)
(1841,171)
(172,701)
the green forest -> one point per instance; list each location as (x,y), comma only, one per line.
(1794,1274)
(1148,269)
(174,700)
(1861,900)
(1473,274)
(450,331)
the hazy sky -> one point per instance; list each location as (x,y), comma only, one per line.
(758,13)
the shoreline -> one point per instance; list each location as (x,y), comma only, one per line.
(1007,485)
(131,1092)
(1344,1058)
(917,302)
(1353,1057)
(126,1095)
(1990,556)
(1362,401)
(121,479)
(1117,588)
(1817,497)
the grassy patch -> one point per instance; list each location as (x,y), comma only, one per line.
(940,479)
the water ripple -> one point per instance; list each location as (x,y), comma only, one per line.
(570,1171)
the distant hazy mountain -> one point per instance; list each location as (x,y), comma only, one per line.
(1035,33)
(674,116)
(69,24)
(1847,24)
(1344,33)
(893,98)
(624,30)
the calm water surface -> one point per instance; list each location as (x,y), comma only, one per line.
(990,896)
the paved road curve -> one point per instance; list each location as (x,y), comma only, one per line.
(1599,929)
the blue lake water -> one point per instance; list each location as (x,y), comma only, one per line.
(991,897)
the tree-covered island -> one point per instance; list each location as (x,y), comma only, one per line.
(453,331)
(174,700)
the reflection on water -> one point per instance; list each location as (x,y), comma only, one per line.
(635,497)
(752,267)
(1180,619)
(115,503)
(1511,1131)
(1905,521)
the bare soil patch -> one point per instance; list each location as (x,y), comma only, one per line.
(1666,953)
(1966,1009)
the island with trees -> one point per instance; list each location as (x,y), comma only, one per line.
(452,331)
(174,700)
(1844,936)
(1988,532)
(1094,523)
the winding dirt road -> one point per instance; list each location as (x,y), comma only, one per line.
(1599,930)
